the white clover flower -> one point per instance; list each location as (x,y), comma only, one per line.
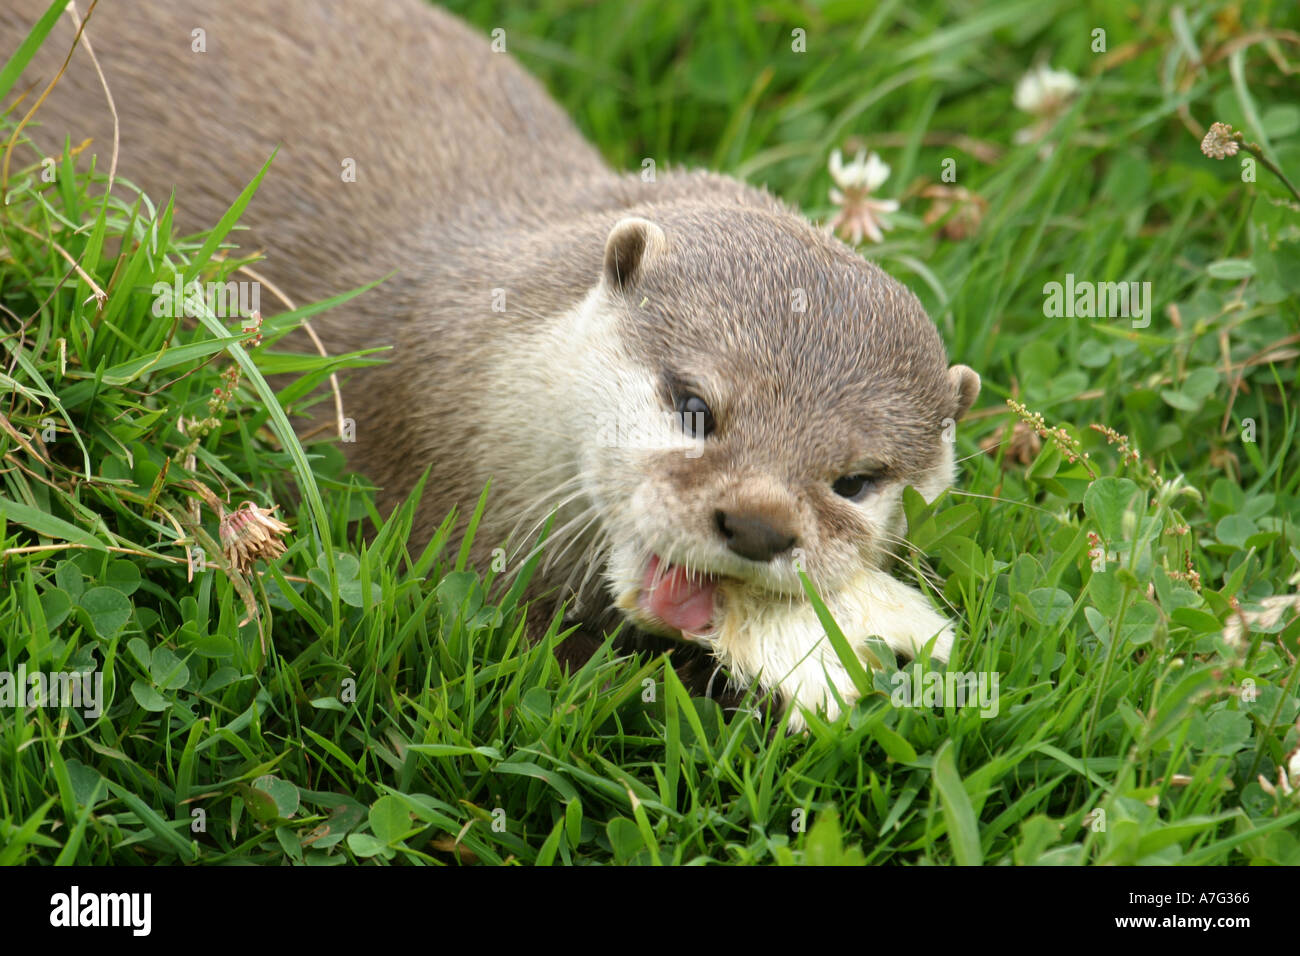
(860,213)
(867,172)
(1043,91)
(1288,778)
(1237,631)
(1288,775)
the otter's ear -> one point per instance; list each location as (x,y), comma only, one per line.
(632,245)
(965,386)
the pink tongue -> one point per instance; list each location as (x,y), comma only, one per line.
(679,600)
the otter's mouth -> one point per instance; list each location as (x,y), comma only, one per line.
(681,600)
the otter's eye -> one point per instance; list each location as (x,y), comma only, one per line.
(855,487)
(697,420)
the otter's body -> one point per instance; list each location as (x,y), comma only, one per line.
(540,303)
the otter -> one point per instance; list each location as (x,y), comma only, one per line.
(705,393)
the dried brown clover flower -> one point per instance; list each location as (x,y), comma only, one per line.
(249,533)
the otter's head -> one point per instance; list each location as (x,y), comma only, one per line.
(764,395)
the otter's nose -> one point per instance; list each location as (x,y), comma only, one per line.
(752,536)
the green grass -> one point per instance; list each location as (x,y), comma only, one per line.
(384,705)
